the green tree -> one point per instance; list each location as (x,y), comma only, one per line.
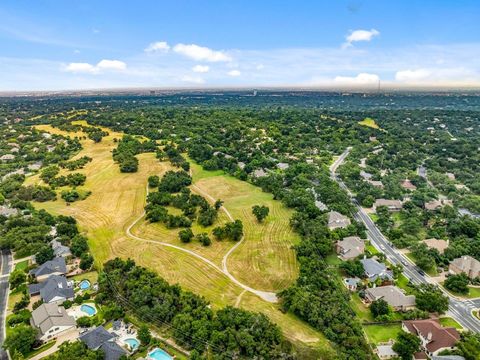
(379,307)
(406,345)
(457,283)
(86,261)
(17,278)
(431,299)
(44,254)
(153,181)
(185,235)
(353,268)
(21,338)
(144,335)
(203,239)
(260,212)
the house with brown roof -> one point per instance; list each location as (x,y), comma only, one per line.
(439,245)
(376,183)
(434,338)
(337,220)
(437,204)
(407,185)
(392,295)
(350,247)
(465,264)
(392,205)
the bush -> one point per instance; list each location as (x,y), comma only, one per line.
(457,283)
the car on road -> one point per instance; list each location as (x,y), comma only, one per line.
(382,247)
(404,263)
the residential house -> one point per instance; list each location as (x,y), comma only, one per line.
(259,173)
(282,166)
(57,266)
(350,247)
(392,205)
(241,165)
(447,357)
(437,204)
(50,320)
(465,264)
(407,185)
(374,270)
(365,175)
(337,220)
(54,289)
(376,183)
(59,249)
(392,295)
(434,338)
(99,338)
(351,283)
(439,245)
(7,157)
(7,211)
(451,176)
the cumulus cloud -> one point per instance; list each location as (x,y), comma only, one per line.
(360,79)
(201,68)
(201,53)
(103,65)
(360,35)
(234,73)
(159,46)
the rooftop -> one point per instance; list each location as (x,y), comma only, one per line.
(437,337)
(392,295)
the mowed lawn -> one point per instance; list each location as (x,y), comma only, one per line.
(266,260)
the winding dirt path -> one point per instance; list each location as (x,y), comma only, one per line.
(265,295)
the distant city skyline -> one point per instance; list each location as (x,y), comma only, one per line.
(57,45)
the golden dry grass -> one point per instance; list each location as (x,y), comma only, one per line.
(265,260)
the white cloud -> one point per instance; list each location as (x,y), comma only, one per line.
(201,53)
(360,79)
(193,79)
(85,68)
(201,68)
(412,75)
(103,65)
(159,46)
(116,65)
(234,73)
(360,35)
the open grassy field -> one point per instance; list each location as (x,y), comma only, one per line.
(382,333)
(450,322)
(369,122)
(264,261)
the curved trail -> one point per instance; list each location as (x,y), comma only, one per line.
(265,295)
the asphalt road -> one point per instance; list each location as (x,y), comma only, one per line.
(5,264)
(460,310)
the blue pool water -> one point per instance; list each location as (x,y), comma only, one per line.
(159,354)
(84,285)
(89,310)
(133,343)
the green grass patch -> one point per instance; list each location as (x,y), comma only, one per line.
(449,322)
(333,260)
(369,122)
(402,283)
(371,249)
(474,292)
(91,276)
(360,308)
(22,265)
(374,217)
(382,333)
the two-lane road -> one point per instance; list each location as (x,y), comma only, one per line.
(460,310)
(5,263)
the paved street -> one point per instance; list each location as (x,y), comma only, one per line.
(5,264)
(460,310)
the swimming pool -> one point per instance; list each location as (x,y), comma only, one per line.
(133,343)
(88,309)
(159,354)
(84,285)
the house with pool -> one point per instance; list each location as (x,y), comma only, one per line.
(100,339)
(51,320)
(56,289)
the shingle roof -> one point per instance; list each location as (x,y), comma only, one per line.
(50,267)
(337,220)
(439,245)
(373,269)
(47,316)
(59,249)
(112,350)
(351,247)
(437,336)
(96,337)
(55,286)
(392,295)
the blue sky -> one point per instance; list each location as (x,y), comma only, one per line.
(54,45)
